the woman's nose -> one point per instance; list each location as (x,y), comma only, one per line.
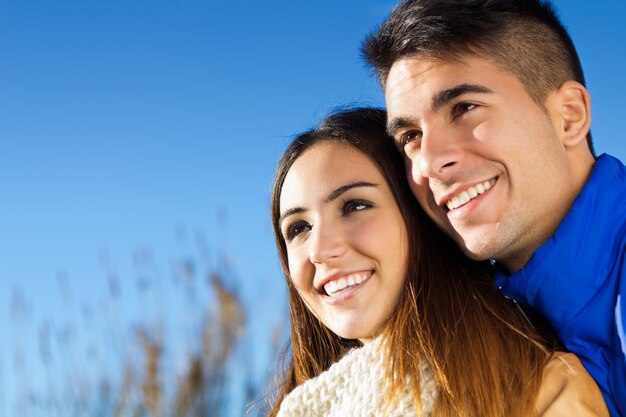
(326,243)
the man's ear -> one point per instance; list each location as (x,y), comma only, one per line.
(572,113)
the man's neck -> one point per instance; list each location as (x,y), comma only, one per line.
(581,165)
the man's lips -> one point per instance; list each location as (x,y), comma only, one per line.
(463,197)
(339,283)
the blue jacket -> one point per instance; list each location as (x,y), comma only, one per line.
(577,280)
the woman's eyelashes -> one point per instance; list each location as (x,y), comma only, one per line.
(295,229)
(461,108)
(351,206)
(346,209)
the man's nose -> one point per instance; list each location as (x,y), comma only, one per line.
(439,153)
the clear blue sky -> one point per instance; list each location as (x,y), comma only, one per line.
(127,125)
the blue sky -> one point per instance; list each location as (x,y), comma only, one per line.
(128,126)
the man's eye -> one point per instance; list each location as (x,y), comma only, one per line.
(296,229)
(461,108)
(355,205)
(410,138)
(407,138)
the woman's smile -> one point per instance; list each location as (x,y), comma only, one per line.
(347,282)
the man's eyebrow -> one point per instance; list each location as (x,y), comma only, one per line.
(339,191)
(440,99)
(332,196)
(443,97)
(397,124)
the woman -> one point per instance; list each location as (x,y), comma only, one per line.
(366,269)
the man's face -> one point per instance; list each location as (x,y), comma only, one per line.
(482,157)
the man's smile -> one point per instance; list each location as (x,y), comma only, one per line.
(465,196)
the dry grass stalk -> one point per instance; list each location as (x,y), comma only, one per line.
(151,385)
(125,391)
(206,389)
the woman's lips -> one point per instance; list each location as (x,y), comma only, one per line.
(336,286)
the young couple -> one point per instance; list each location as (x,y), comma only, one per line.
(406,270)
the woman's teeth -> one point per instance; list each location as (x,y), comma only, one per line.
(469,194)
(344,282)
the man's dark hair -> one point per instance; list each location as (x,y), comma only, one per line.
(524,37)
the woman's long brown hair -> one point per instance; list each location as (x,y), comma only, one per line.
(487,359)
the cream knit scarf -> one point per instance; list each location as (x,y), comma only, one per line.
(356,386)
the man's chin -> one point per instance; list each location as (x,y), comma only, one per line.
(475,255)
(478,250)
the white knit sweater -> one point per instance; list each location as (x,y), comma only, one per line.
(356,386)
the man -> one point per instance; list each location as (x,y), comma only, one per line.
(487,100)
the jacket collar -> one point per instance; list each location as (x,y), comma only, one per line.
(566,271)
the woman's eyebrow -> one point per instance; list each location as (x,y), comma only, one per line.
(290,212)
(336,193)
(332,196)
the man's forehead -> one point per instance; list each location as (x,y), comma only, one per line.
(427,76)
(410,68)
(413,77)
(412,72)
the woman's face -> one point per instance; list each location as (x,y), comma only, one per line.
(346,240)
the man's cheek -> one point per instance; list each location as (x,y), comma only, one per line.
(412,173)
(418,190)
(420,187)
(425,197)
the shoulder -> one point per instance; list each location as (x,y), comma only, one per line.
(355,385)
(567,389)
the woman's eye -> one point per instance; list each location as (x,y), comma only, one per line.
(355,205)
(461,108)
(296,229)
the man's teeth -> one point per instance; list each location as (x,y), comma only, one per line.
(467,195)
(344,282)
